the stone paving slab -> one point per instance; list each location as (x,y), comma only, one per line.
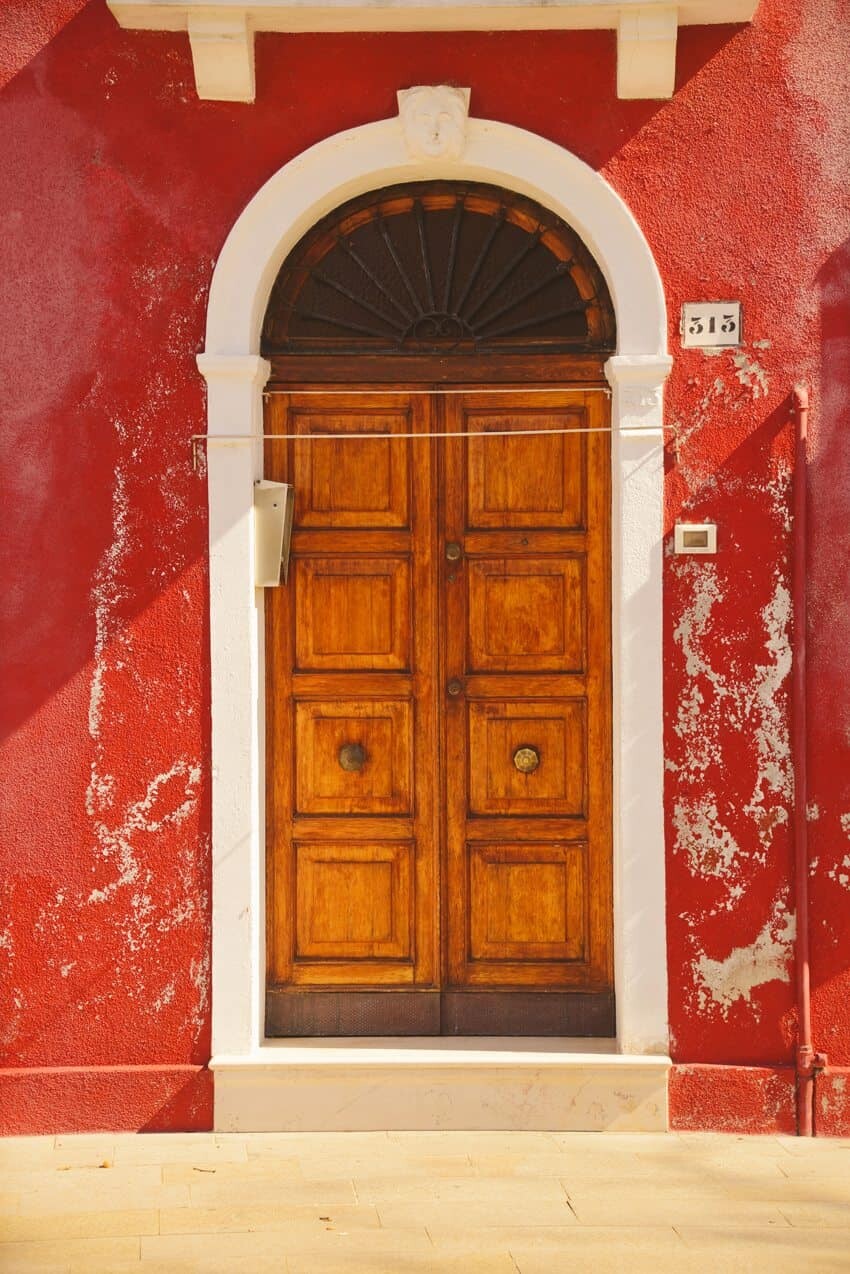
(424,1203)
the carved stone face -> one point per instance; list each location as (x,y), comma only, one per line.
(434,121)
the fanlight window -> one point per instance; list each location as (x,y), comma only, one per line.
(439,267)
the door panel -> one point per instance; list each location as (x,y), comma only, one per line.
(438,718)
(352,615)
(529,481)
(527,621)
(351,812)
(510,774)
(353,901)
(527,901)
(526,614)
(354,757)
(339,485)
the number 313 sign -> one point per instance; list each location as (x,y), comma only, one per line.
(711,323)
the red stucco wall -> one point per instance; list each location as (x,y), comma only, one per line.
(117,190)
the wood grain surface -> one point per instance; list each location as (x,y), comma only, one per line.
(438,709)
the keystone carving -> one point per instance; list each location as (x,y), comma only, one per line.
(433,120)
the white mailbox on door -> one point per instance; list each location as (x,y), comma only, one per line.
(274,510)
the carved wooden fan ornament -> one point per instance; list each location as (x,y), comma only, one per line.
(442,266)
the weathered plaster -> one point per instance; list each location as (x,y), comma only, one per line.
(711,848)
(116,194)
(751,374)
(766,959)
(840,871)
(723,694)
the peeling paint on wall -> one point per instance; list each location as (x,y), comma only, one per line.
(839,872)
(751,374)
(105,882)
(711,848)
(766,959)
(718,699)
(766,708)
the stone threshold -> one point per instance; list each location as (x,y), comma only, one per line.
(337,1085)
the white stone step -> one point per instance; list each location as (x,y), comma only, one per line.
(337,1085)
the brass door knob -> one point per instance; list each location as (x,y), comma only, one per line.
(352,757)
(526,759)
(455,687)
(453,551)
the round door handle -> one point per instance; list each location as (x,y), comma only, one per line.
(352,757)
(453,551)
(455,687)
(526,759)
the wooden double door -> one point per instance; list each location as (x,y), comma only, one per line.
(438,716)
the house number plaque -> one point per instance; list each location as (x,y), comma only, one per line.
(706,323)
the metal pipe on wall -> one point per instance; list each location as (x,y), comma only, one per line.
(808,1061)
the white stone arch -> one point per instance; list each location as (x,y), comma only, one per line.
(374,155)
(290,203)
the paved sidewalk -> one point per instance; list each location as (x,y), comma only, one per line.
(389,1203)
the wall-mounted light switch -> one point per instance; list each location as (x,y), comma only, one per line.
(695,537)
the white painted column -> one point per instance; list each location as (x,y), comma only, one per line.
(235,406)
(637,545)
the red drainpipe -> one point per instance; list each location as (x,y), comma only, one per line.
(808,1061)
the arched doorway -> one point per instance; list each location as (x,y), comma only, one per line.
(262,1083)
(438,668)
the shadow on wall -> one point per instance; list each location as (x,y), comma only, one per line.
(137,290)
(728,785)
(828,669)
(25,29)
(119,191)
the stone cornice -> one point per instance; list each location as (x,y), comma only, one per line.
(221,32)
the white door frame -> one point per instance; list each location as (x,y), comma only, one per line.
(294,199)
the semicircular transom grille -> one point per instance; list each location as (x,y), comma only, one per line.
(439,267)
